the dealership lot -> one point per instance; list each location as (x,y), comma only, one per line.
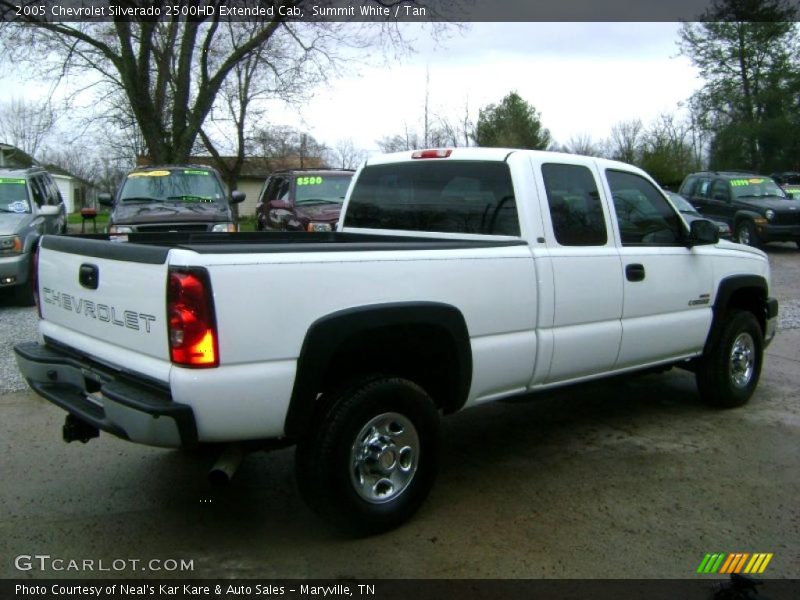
(626,478)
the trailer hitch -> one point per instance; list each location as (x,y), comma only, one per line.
(77,430)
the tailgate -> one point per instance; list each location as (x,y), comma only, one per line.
(107,291)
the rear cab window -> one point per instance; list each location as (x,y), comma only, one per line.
(470,197)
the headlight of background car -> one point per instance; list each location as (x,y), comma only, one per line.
(120,229)
(770,214)
(11,244)
(319,227)
(226,227)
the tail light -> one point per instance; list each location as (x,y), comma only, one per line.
(190,314)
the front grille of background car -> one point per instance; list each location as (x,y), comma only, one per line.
(786,218)
(173,227)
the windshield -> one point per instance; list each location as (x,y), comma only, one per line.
(755,187)
(174,185)
(14,196)
(322,188)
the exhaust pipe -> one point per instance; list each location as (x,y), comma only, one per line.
(226,466)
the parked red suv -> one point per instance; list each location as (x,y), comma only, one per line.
(302,200)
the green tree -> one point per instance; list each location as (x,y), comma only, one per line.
(511,124)
(746,51)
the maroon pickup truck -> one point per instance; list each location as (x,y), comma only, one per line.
(302,200)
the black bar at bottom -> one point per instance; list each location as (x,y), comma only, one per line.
(701,588)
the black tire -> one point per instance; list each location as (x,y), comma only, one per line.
(746,234)
(727,380)
(24,293)
(350,491)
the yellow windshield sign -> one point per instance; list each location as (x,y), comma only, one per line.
(149,174)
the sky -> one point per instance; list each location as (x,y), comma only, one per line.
(581,77)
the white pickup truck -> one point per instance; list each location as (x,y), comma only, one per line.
(456,277)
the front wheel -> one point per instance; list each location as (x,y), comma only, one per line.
(370,460)
(746,234)
(728,373)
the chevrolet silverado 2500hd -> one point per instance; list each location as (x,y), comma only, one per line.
(456,277)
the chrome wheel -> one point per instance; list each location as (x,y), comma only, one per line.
(744,235)
(384,457)
(742,360)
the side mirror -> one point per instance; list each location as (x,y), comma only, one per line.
(790,195)
(237,197)
(703,232)
(105,199)
(48,211)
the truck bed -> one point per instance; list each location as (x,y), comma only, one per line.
(153,247)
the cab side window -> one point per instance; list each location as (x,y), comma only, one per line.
(644,216)
(703,188)
(39,191)
(277,189)
(53,193)
(576,211)
(719,190)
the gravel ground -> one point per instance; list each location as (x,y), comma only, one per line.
(789,313)
(16,325)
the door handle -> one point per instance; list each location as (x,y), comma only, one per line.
(634,272)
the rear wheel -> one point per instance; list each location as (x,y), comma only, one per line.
(728,373)
(369,462)
(746,234)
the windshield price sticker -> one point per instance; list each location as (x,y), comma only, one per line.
(149,174)
(12,181)
(745,182)
(18,207)
(194,172)
(309,180)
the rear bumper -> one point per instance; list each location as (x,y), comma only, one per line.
(131,409)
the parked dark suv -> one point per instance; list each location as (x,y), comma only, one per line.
(171,198)
(755,207)
(30,206)
(302,200)
(789,182)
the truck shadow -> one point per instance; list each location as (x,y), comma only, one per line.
(630,415)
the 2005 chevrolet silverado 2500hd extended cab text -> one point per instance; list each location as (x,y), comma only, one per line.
(456,277)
